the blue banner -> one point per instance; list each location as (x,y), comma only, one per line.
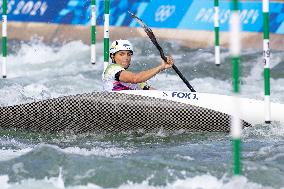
(34,10)
(200,16)
(166,13)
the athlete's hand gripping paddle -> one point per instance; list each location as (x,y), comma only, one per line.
(155,42)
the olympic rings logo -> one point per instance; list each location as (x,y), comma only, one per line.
(164,12)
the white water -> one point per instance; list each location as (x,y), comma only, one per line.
(42,71)
(197,182)
(38,71)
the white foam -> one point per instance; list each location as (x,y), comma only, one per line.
(58,71)
(36,91)
(108,151)
(7,154)
(38,60)
(11,95)
(4,181)
(197,182)
(99,151)
(270,132)
(46,183)
(34,53)
(188,158)
(59,182)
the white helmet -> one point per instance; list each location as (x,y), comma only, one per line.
(120,45)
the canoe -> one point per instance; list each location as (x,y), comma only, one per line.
(124,111)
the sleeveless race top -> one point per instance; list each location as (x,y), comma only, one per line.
(112,83)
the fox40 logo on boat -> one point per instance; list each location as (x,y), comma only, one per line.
(184,95)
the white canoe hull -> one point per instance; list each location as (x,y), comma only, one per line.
(134,110)
(251,110)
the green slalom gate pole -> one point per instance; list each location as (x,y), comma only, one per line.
(216,28)
(4,39)
(106,35)
(235,46)
(93,32)
(266,60)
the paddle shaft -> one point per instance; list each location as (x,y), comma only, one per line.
(183,78)
(152,37)
(178,72)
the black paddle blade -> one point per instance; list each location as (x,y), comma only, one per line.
(150,34)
